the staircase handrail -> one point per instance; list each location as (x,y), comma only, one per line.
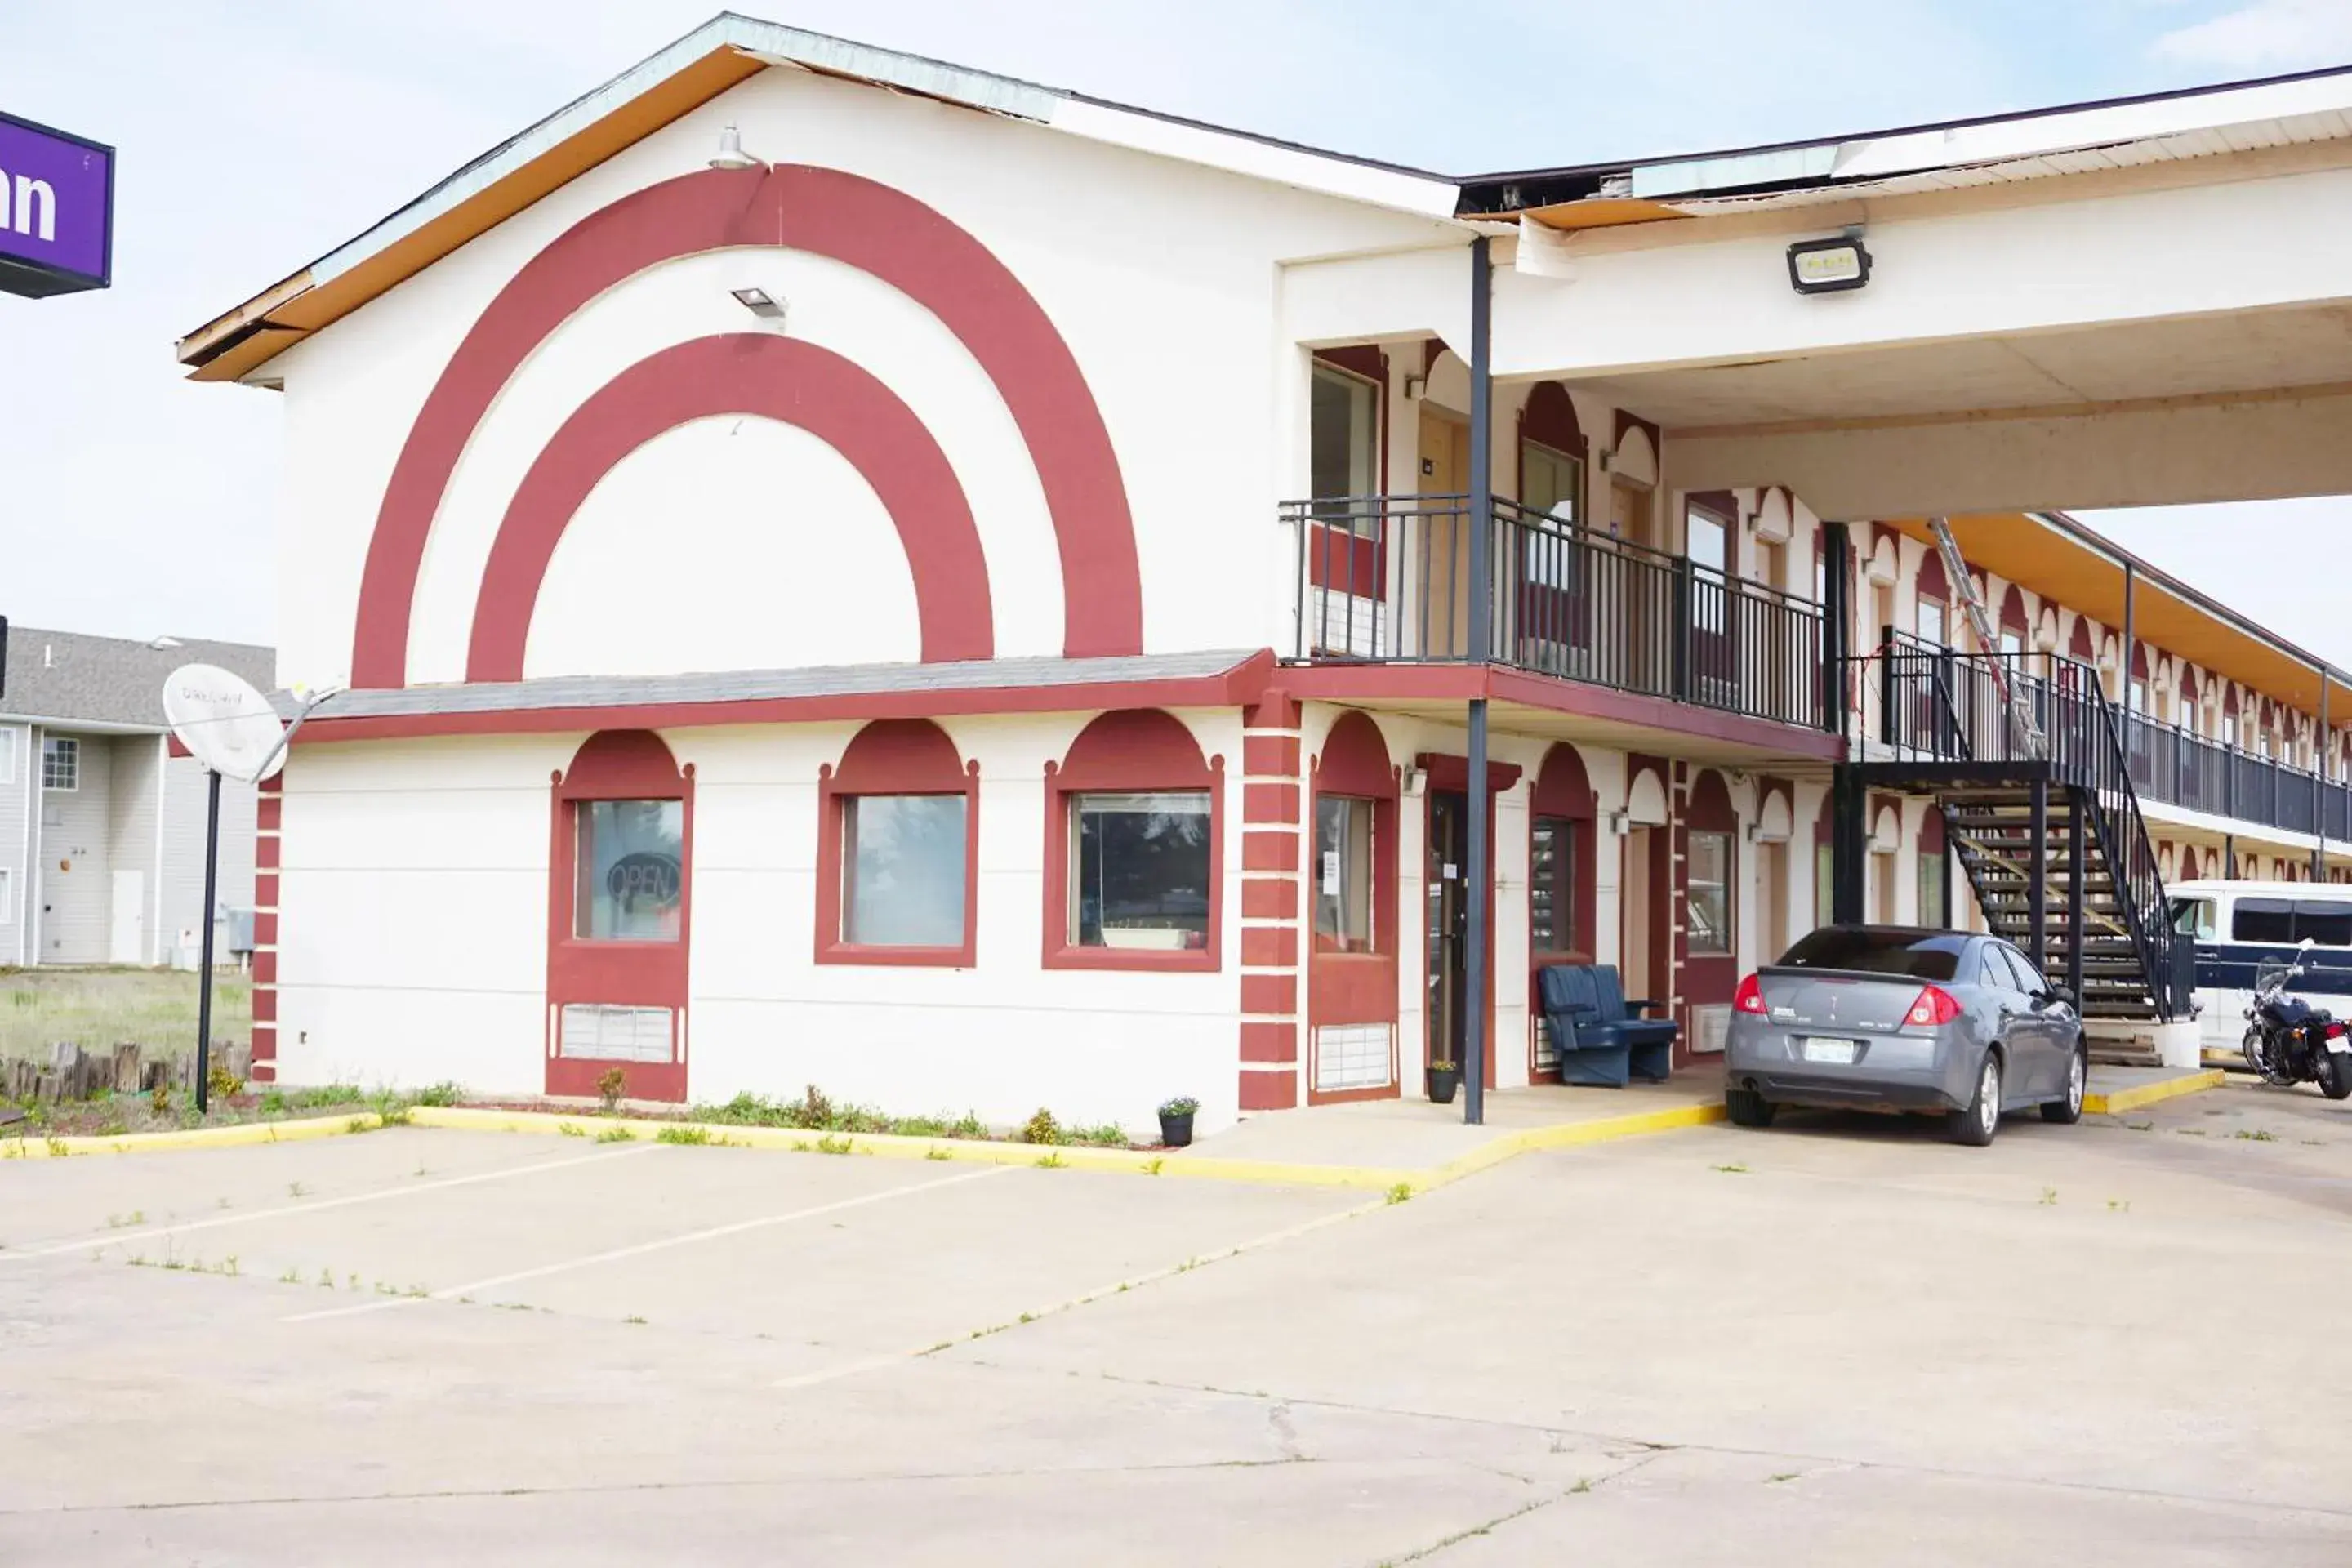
(2140,880)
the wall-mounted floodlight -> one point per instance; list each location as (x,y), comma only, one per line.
(760,302)
(1827,265)
(730,153)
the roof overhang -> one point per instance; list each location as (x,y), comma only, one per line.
(2065,562)
(721,53)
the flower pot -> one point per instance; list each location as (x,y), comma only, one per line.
(1175,1132)
(1442,1082)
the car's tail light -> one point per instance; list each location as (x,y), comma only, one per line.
(1748,998)
(1934,1006)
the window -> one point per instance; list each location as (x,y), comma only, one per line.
(2229,730)
(1343,874)
(2011,641)
(1825,879)
(61,762)
(1994,975)
(1709,908)
(1931,887)
(2030,980)
(1551,884)
(1703,543)
(2139,697)
(1550,483)
(7,897)
(903,870)
(1139,871)
(1863,951)
(631,855)
(1343,439)
(1930,622)
(2324,920)
(2263,920)
(2194,917)
(7,756)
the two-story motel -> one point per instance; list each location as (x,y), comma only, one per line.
(858,571)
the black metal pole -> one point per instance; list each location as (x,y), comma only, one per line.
(1482,522)
(2037,886)
(2074,830)
(205,966)
(2319,788)
(2131,577)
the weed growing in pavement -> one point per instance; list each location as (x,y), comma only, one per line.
(121,1221)
(571,1129)
(1397,1194)
(2049,1198)
(220,1203)
(2141,1126)
(1052,1161)
(2257,1135)
(439,1094)
(292,1277)
(1042,1129)
(689,1135)
(2190,1132)
(352,1282)
(1153,1167)
(632,1318)
(1583,1484)
(2119,1205)
(361,1125)
(1783,1475)
(160,1102)
(2313,1142)
(1734,1169)
(1028,1317)
(56,1145)
(296,1190)
(391,1110)
(937,1153)
(616,1136)
(829,1144)
(326,1278)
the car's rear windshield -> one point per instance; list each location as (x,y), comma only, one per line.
(1922,956)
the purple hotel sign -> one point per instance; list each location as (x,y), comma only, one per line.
(57,210)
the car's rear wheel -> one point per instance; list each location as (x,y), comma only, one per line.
(2069,1111)
(1747,1108)
(1976,1125)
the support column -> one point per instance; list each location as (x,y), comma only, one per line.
(2037,880)
(2131,579)
(2074,829)
(1849,846)
(1482,607)
(1271,1045)
(1837,577)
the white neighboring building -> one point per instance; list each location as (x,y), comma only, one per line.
(102,827)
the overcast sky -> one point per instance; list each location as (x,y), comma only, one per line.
(254,135)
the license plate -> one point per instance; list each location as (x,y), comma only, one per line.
(2339,1046)
(1841,1052)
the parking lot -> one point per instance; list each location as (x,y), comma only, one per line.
(1841,1341)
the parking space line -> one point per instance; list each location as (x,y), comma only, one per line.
(117,1238)
(639,1249)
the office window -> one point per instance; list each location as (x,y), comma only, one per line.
(1343,874)
(630,865)
(903,865)
(61,762)
(1708,910)
(1139,871)
(1551,884)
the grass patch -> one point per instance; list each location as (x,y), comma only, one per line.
(1734,1169)
(96,1007)
(1401,1193)
(2257,1135)
(616,1136)
(695,1136)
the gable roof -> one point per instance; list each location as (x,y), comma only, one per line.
(67,678)
(721,53)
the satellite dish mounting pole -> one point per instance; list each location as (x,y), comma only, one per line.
(205,966)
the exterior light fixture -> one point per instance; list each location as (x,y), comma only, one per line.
(760,302)
(1827,265)
(730,153)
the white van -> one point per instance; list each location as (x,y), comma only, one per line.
(2236,925)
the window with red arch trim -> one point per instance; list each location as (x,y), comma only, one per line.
(1114,806)
(911,766)
(1562,860)
(1355,818)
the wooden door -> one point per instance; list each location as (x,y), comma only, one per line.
(1439,562)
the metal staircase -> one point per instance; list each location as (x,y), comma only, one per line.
(2023,755)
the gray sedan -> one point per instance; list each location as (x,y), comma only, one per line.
(1905,1018)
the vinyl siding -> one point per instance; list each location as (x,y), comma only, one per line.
(18,786)
(184,854)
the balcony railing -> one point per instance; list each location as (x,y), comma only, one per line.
(1384,579)
(1926,691)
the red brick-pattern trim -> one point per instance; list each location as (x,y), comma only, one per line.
(268,817)
(1271,904)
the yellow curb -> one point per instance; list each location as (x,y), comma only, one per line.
(2140,1095)
(23,1146)
(1078,1157)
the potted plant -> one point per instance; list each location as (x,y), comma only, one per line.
(1176,1122)
(1445,1077)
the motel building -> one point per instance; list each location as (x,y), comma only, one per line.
(856,570)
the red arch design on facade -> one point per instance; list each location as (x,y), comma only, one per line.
(785,379)
(828,213)
(1358,987)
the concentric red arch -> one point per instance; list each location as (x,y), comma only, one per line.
(827,212)
(785,379)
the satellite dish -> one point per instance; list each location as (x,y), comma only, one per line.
(225,724)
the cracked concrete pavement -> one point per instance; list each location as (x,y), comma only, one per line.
(1837,1341)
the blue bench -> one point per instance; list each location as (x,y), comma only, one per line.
(1601,1037)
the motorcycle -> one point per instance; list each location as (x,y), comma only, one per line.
(2289,1041)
